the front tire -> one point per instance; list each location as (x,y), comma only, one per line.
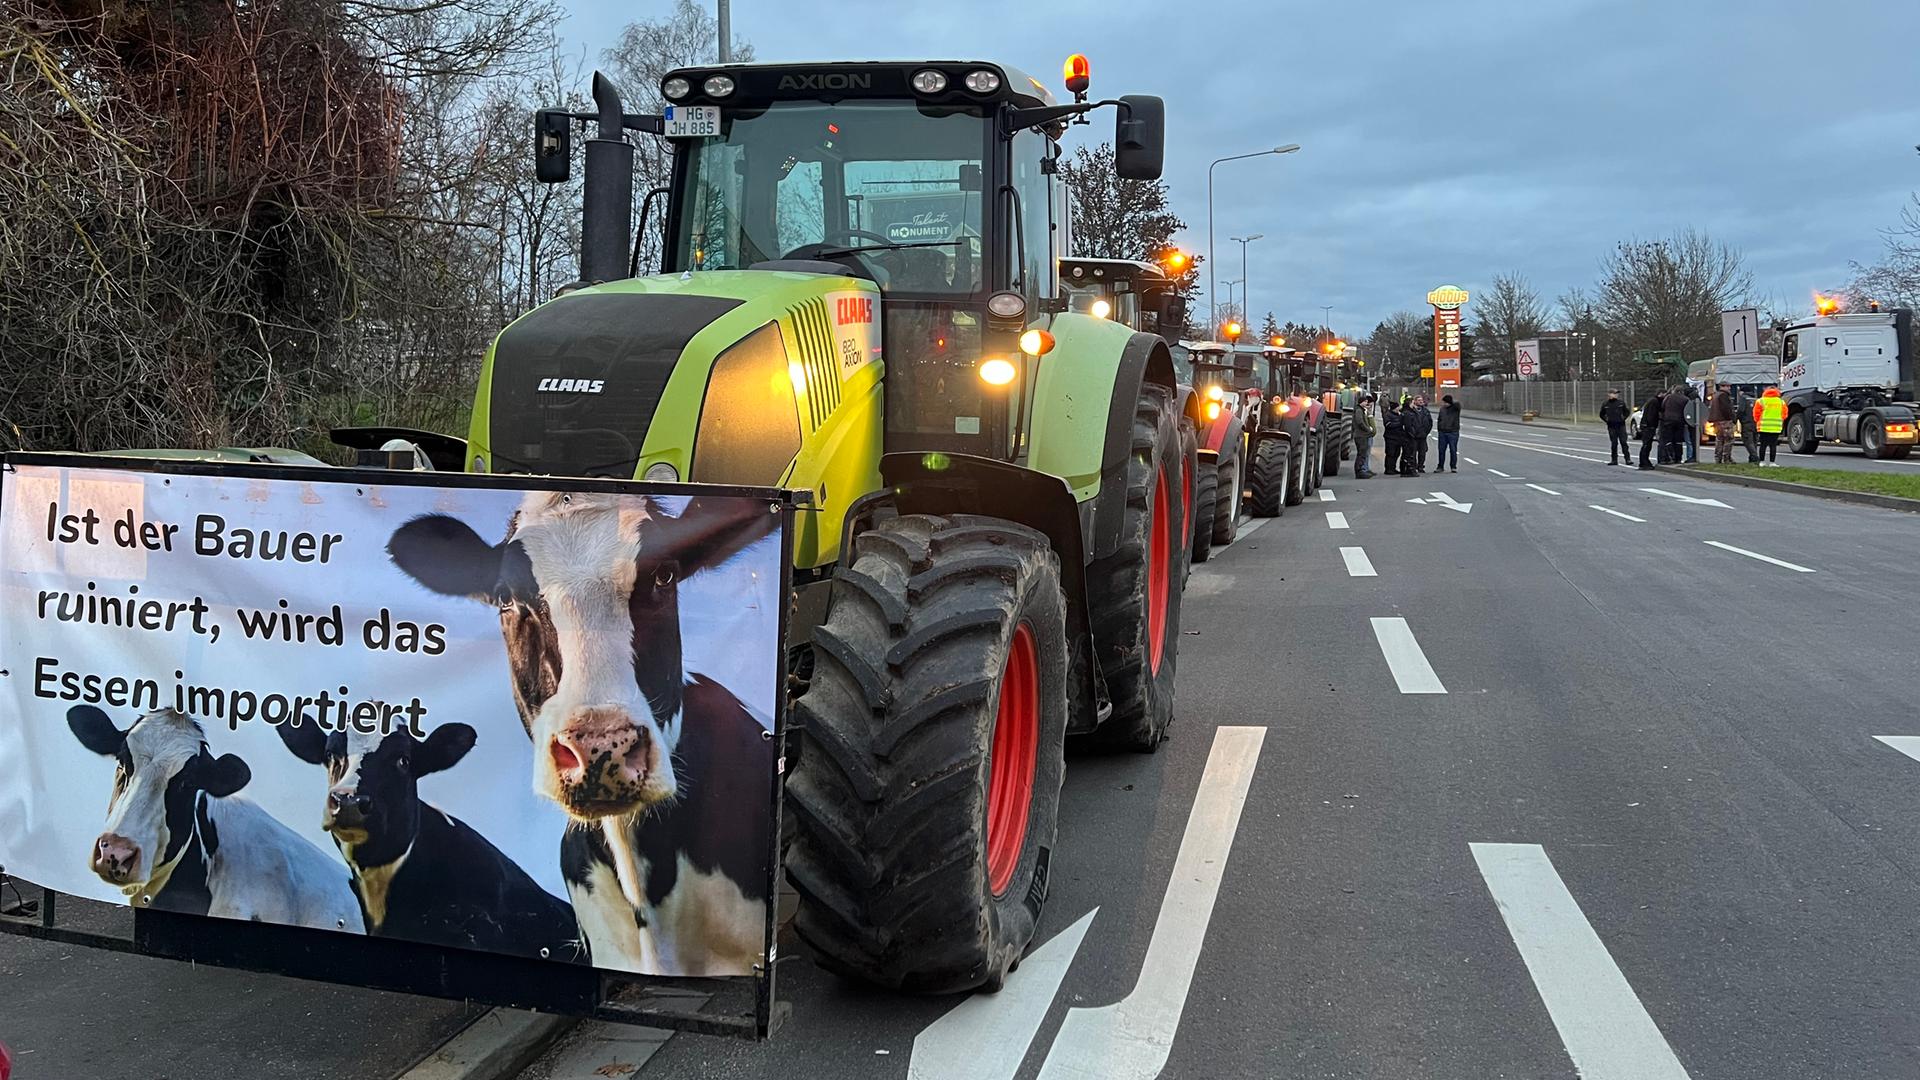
(1269,478)
(1297,471)
(926,800)
(1135,602)
(1226,507)
(1799,434)
(1189,495)
(1206,491)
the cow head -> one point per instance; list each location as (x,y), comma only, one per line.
(162,766)
(373,799)
(587,587)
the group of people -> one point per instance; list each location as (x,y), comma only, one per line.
(1404,426)
(1671,417)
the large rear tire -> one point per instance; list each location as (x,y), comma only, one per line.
(1268,479)
(1206,490)
(926,799)
(1230,497)
(1330,455)
(1135,602)
(1873,438)
(1297,471)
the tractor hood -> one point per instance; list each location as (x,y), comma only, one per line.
(713,373)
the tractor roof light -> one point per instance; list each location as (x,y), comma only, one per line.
(997,371)
(718,86)
(675,88)
(929,81)
(1077,73)
(983,81)
(1036,342)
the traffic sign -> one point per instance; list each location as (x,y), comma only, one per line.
(1740,331)
(1526,358)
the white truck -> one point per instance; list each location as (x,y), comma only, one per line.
(1850,379)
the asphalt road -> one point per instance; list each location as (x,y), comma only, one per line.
(1647,830)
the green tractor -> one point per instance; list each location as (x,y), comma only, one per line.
(858,297)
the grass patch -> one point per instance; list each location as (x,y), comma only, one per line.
(1903,485)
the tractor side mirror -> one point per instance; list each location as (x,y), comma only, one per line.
(1139,137)
(552,145)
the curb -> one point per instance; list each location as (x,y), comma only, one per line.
(496,1046)
(1864,498)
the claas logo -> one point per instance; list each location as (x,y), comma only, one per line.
(853,309)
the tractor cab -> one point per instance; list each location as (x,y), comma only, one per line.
(1128,291)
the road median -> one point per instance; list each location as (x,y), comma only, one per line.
(1892,491)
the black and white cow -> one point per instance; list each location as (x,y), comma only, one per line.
(419,872)
(179,838)
(666,775)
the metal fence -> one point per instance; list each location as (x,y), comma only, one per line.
(1577,401)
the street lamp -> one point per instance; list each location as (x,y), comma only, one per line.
(1246,291)
(1212,300)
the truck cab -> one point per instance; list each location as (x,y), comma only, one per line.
(1849,378)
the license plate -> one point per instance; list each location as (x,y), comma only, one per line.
(693,121)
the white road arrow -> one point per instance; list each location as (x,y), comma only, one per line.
(1441,498)
(1687,498)
(986,1036)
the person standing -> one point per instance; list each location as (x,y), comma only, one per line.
(1363,429)
(1770,417)
(1449,433)
(1392,438)
(1693,424)
(1720,415)
(1743,414)
(1673,426)
(1650,427)
(1613,413)
(1417,420)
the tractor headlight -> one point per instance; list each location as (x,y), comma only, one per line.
(661,472)
(1214,393)
(1007,305)
(982,81)
(1213,410)
(718,86)
(1101,309)
(1036,342)
(929,81)
(675,88)
(996,371)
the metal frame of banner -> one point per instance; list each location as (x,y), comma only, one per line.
(734,1006)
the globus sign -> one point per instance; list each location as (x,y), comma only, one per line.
(1447,301)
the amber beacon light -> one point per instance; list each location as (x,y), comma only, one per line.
(1077,73)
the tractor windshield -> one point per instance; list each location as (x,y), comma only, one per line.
(892,185)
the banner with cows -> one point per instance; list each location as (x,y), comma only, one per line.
(456,711)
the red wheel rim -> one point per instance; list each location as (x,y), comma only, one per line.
(1157,578)
(1016,746)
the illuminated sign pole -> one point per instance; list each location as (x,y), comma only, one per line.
(1447,300)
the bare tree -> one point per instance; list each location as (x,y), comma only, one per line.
(1401,345)
(1125,219)
(1505,314)
(1895,280)
(1668,294)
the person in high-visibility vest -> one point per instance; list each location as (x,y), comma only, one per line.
(1769,417)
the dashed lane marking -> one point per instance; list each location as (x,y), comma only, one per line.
(1336,520)
(1409,665)
(1601,1021)
(1358,565)
(1132,1038)
(1906,744)
(1468,460)
(1547,491)
(1498,473)
(1795,567)
(1616,513)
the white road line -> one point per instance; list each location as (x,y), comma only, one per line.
(1358,565)
(986,1036)
(1410,668)
(1601,1022)
(1325,495)
(1575,456)
(1497,472)
(1468,460)
(1906,744)
(1336,520)
(1796,567)
(1132,1038)
(1616,513)
(1548,491)
(1686,498)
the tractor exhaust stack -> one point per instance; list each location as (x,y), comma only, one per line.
(606,215)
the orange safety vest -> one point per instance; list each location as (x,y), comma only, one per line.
(1770,414)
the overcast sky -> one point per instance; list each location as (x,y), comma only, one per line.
(1445,143)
